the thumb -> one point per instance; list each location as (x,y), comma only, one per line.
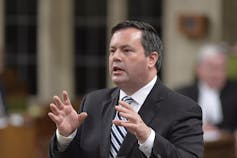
(82,116)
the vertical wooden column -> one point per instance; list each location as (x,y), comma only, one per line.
(55,48)
(117,12)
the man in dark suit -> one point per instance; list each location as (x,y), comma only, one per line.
(139,118)
(214,93)
(228,101)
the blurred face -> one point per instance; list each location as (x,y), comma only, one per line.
(129,68)
(212,71)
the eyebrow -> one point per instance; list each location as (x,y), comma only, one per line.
(122,46)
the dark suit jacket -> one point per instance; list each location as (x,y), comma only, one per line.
(228,97)
(176,120)
(3,99)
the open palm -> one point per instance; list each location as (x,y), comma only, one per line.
(64,115)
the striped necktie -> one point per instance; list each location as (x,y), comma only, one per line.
(118,132)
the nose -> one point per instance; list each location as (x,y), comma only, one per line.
(116,55)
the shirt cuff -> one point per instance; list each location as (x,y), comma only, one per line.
(63,142)
(147,146)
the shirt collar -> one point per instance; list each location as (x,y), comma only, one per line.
(140,95)
(205,88)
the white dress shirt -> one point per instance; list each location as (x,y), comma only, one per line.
(209,100)
(139,98)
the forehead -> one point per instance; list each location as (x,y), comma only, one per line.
(126,35)
(217,59)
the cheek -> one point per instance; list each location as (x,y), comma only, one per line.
(109,68)
(109,62)
(139,67)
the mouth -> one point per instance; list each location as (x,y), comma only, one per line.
(117,69)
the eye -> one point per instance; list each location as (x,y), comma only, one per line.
(111,51)
(127,50)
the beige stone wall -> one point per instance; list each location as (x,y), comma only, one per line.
(180,51)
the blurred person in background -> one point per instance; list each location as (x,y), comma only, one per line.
(214,92)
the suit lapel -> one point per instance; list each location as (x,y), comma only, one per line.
(147,113)
(108,112)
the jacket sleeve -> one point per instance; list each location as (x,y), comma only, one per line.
(184,139)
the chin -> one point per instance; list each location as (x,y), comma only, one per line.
(118,82)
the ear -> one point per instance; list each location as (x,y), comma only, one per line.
(152,59)
(200,70)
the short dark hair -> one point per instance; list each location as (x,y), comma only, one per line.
(150,38)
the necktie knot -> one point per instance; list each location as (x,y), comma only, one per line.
(127,99)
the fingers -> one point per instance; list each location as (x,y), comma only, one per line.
(58,102)
(125,124)
(54,115)
(58,109)
(82,116)
(133,119)
(130,126)
(134,123)
(54,109)
(125,105)
(55,118)
(125,110)
(125,113)
(66,99)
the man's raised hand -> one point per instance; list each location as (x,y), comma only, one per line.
(64,115)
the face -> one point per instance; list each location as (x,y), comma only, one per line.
(129,68)
(212,71)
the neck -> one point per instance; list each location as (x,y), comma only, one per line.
(130,90)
